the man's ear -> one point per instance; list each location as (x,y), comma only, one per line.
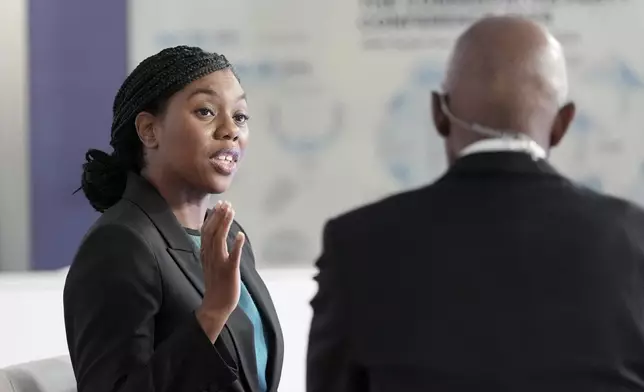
(145,124)
(441,122)
(561,124)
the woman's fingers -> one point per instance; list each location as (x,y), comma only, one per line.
(223,227)
(215,234)
(211,224)
(235,255)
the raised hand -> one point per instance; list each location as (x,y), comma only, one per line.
(221,270)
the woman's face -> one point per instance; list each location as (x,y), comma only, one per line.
(201,136)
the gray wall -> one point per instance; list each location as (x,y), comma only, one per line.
(14,142)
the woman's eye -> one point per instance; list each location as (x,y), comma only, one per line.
(241,119)
(205,112)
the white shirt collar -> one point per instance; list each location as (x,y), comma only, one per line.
(499,144)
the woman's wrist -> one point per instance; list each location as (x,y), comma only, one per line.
(211,322)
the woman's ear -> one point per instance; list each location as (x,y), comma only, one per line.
(145,124)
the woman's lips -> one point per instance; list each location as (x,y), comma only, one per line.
(225,160)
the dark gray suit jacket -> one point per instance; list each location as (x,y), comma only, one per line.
(130,298)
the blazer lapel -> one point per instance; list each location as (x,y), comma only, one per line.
(241,330)
(140,192)
(263,301)
(190,265)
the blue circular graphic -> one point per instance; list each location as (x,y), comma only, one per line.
(406,141)
(300,141)
(593,182)
(583,124)
(617,73)
(619,76)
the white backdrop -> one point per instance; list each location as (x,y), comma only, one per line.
(339,97)
(33,328)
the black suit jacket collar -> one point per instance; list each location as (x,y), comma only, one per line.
(140,192)
(502,162)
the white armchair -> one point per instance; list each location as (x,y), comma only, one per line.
(46,375)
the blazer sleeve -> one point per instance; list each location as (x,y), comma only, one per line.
(329,366)
(112,294)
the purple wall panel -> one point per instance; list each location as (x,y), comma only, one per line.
(77,62)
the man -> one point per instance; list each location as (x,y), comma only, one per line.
(503,275)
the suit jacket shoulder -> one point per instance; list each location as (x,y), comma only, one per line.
(124,216)
(382,214)
(120,236)
(606,211)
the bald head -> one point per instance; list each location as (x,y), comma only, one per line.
(509,73)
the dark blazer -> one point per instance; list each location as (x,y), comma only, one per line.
(129,302)
(501,276)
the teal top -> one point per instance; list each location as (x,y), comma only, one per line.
(247,304)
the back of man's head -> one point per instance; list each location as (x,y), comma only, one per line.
(505,73)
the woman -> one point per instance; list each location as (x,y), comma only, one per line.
(154,300)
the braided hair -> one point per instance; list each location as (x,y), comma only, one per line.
(147,89)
